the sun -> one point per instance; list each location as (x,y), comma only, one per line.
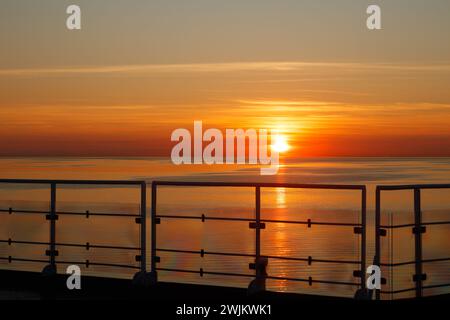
(280,143)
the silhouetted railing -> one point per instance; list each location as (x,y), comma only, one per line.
(258,224)
(52,216)
(418,228)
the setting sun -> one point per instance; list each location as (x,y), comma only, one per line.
(280,144)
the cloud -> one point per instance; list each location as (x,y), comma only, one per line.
(285,66)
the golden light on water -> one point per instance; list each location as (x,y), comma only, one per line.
(281,197)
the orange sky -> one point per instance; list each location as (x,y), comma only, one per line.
(333,89)
(324,109)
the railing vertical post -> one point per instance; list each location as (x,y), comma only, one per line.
(258,223)
(363,238)
(53,225)
(259,283)
(418,242)
(153,229)
(377,234)
(143,227)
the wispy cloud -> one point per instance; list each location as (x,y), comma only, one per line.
(287,103)
(221,67)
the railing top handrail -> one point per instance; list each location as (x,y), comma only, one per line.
(59,181)
(413,186)
(258,184)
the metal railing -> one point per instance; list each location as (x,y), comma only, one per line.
(257,223)
(418,228)
(52,216)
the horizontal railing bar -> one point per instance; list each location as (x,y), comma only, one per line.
(207,252)
(229,254)
(97,214)
(225,184)
(413,186)
(197,252)
(252,275)
(397,264)
(205,218)
(24,211)
(93,246)
(258,184)
(413,289)
(125,266)
(207,272)
(189,217)
(413,262)
(398,226)
(177,270)
(89,182)
(314,281)
(96,246)
(413,225)
(26,242)
(436,286)
(434,223)
(435,260)
(397,291)
(72,262)
(314,260)
(343,224)
(23,260)
(178,251)
(72,213)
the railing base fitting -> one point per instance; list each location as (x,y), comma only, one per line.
(49,271)
(363,294)
(145,279)
(257,285)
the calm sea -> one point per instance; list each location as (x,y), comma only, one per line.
(282,240)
